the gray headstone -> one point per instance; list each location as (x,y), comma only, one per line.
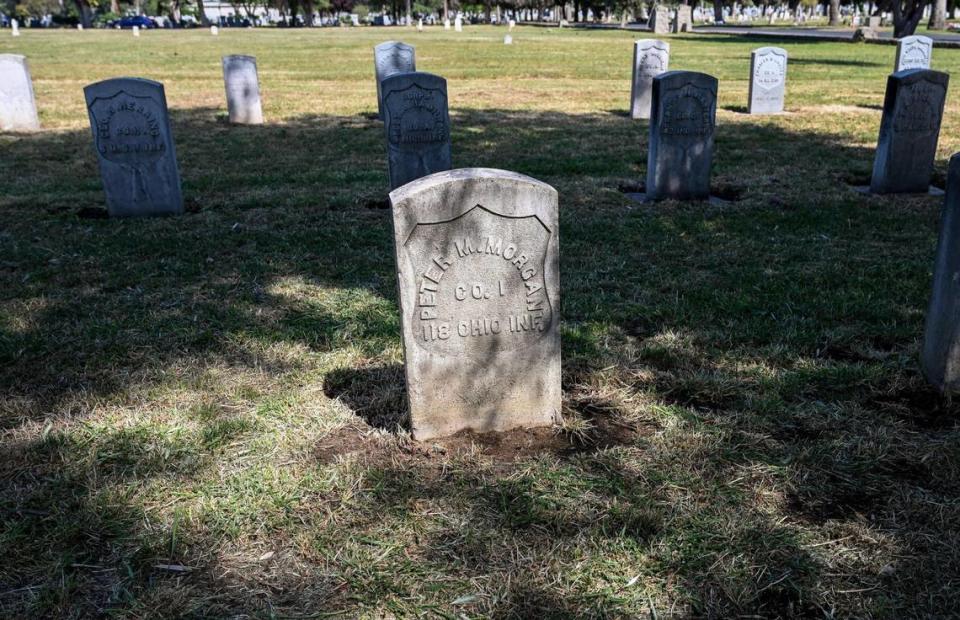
(909,129)
(768,80)
(941,339)
(873,22)
(683,19)
(913,53)
(18,108)
(417,126)
(389,58)
(682,122)
(243,90)
(650,58)
(659,21)
(131,135)
(478,268)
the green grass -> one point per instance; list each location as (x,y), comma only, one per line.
(199,415)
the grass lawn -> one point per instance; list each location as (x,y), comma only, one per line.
(201,416)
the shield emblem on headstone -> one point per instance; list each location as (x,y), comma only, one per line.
(128,129)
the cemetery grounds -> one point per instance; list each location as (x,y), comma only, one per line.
(199,415)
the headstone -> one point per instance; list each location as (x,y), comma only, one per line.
(682,121)
(940,359)
(80,27)
(131,135)
(507,39)
(243,90)
(136,31)
(18,107)
(14,28)
(446,24)
(683,19)
(214,30)
(420,25)
(660,19)
(909,129)
(913,53)
(417,126)
(511,24)
(458,24)
(651,57)
(873,22)
(563,23)
(768,80)
(389,58)
(478,271)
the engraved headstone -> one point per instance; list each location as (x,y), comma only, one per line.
(132,138)
(243,90)
(389,58)
(909,130)
(682,122)
(18,107)
(417,125)
(660,19)
(478,270)
(14,28)
(768,80)
(651,57)
(913,53)
(941,339)
(683,19)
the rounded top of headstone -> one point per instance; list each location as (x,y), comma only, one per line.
(240,57)
(916,37)
(389,44)
(761,51)
(107,88)
(421,78)
(915,75)
(652,43)
(678,78)
(447,177)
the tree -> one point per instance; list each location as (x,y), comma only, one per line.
(834,12)
(938,16)
(906,16)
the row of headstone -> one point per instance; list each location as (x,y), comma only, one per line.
(768,74)
(415,112)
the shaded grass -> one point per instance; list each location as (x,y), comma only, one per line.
(200,415)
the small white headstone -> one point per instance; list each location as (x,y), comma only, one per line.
(18,108)
(507,40)
(913,53)
(80,27)
(420,25)
(14,28)
(214,30)
(458,24)
(136,31)
(512,24)
(446,24)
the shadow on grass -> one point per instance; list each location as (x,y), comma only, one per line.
(726,322)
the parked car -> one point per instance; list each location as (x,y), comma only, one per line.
(133,20)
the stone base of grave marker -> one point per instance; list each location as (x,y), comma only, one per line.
(478,268)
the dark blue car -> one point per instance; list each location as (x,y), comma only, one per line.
(134,20)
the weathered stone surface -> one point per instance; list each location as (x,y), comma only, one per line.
(909,130)
(243,90)
(913,53)
(941,339)
(18,108)
(389,58)
(417,125)
(768,80)
(651,57)
(132,138)
(659,21)
(683,18)
(682,122)
(478,267)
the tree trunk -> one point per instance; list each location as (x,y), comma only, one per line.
(906,17)
(203,14)
(446,9)
(718,11)
(834,12)
(86,16)
(938,15)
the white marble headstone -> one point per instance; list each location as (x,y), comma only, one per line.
(913,53)
(243,90)
(14,28)
(136,31)
(18,108)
